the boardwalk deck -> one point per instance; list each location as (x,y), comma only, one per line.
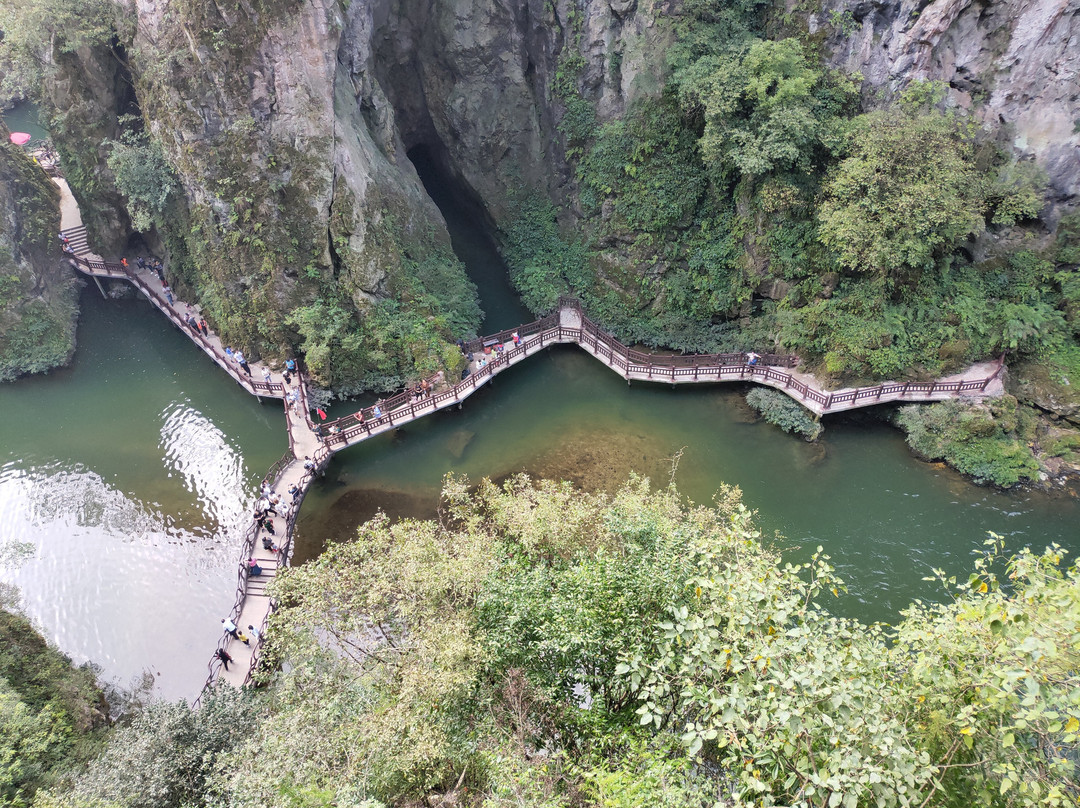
(490,356)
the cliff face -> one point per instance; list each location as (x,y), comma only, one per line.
(85,97)
(288,125)
(477,81)
(1015,63)
(298,210)
(37,290)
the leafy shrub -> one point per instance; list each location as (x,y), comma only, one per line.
(784,412)
(143,176)
(166,757)
(969,439)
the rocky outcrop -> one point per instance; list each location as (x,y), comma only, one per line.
(1046,388)
(475,81)
(37,288)
(295,187)
(1015,63)
(87,92)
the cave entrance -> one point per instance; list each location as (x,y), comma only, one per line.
(472,236)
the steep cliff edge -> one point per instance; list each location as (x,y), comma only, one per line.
(491,86)
(633,149)
(37,288)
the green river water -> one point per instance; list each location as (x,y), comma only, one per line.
(131,472)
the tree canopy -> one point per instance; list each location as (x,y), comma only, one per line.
(907,192)
(537,646)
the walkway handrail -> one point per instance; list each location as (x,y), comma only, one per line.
(256,387)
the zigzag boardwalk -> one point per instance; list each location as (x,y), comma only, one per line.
(491,355)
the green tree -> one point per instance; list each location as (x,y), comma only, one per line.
(164,758)
(35,31)
(992,680)
(544,648)
(905,195)
(143,176)
(759,110)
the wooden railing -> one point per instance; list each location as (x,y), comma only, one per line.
(157,297)
(251,536)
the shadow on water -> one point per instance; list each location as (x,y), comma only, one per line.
(467,223)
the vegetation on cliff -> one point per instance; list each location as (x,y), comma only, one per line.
(758,200)
(159,135)
(37,291)
(542,647)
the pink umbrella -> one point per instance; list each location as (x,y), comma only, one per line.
(20,138)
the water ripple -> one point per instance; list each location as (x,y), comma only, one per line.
(196,449)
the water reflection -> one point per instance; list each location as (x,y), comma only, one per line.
(111,580)
(198,450)
(130,472)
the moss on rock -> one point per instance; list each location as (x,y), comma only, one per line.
(37,288)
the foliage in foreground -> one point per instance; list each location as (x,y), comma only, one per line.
(537,646)
(165,757)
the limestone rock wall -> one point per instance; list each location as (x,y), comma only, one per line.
(473,80)
(1015,62)
(292,172)
(87,93)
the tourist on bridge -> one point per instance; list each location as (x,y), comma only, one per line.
(239,356)
(229,626)
(294,491)
(254,632)
(223,655)
(268,544)
(204,327)
(309,464)
(359,416)
(376,411)
(268,525)
(240,635)
(752,358)
(516,339)
(290,366)
(266,375)
(253,567)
